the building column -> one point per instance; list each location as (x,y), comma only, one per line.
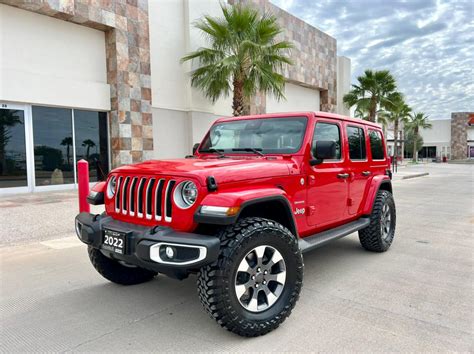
(459,122)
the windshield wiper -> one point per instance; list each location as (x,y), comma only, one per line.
(257,151)
(216,151)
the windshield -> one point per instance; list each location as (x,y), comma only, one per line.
(266,135)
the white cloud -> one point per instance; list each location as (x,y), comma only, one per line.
(426,44)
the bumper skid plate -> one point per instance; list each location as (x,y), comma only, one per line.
(160,249)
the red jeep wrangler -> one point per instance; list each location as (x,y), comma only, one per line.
(257,193)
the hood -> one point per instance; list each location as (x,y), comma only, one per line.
(224,170)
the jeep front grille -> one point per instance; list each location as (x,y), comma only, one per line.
(145,197)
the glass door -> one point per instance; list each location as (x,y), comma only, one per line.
(14,153)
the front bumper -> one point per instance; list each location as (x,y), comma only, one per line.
(145,247)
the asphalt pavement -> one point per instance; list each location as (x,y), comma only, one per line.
(415,297)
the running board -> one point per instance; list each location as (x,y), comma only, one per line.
(317,240)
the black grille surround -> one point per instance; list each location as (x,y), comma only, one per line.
(147,198)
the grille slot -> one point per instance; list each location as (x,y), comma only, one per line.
(125,195)
(140,197)
(117,194)
(168,203)
(158,199)
(145,197)
(133,193)
(148,198)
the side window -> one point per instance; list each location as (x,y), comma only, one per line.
(376,145)
(356,138)
(328,131)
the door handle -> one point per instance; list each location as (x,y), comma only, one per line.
(366,173)
(343,175)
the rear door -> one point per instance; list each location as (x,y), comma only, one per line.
(327,191)
(379,162)
(358,164)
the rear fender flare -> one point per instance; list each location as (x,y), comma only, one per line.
(375,185)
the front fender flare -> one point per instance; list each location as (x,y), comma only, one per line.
(242,199)
(375,185)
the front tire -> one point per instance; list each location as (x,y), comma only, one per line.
(255,283)
(378,236)
(118,273)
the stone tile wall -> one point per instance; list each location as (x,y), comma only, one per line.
(125,23)
(314,55)
(459,123)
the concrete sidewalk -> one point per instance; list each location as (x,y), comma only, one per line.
(39,216)
(408,171)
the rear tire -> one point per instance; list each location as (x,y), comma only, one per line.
(256,281)
(378,236)
(117,273)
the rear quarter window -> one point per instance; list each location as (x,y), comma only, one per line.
(376,145)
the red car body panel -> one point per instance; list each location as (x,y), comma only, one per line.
(318,198)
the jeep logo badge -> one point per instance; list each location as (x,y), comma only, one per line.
(299,211)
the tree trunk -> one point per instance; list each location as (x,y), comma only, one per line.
(372,109)
(415,140)
(238,99)
(67,154)
(395,140)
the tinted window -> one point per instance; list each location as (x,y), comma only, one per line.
(12,148)
(328,132)
(376,146)
(271,135)
(54,155)
(91,142)
(356,139)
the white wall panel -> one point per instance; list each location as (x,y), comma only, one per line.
(48,61)
(298,98)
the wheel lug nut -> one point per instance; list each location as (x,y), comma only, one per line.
(253,277)
(258,269)
(264,282)
(256,285)
(265,272)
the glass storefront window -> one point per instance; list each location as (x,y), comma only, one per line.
(40,146)
(53,146)
(90,130)
(12,149)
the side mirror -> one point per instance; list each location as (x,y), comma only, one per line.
(323,150)
(195,147)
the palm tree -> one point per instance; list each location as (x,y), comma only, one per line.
(397,112)
(244,55)
(67,142)
(88,143)
(415,122)
(8,118)
(372,92)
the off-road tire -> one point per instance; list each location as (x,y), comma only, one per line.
(371,238)
(216,281)
(117,273)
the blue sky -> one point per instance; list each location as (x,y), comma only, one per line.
(427,44)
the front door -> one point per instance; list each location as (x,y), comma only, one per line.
(14,154)
(327,182)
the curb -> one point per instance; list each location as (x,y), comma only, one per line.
(416,175)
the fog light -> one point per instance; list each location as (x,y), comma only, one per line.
(169,252)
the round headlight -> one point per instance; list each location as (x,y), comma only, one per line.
(111,187)
(185,194)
